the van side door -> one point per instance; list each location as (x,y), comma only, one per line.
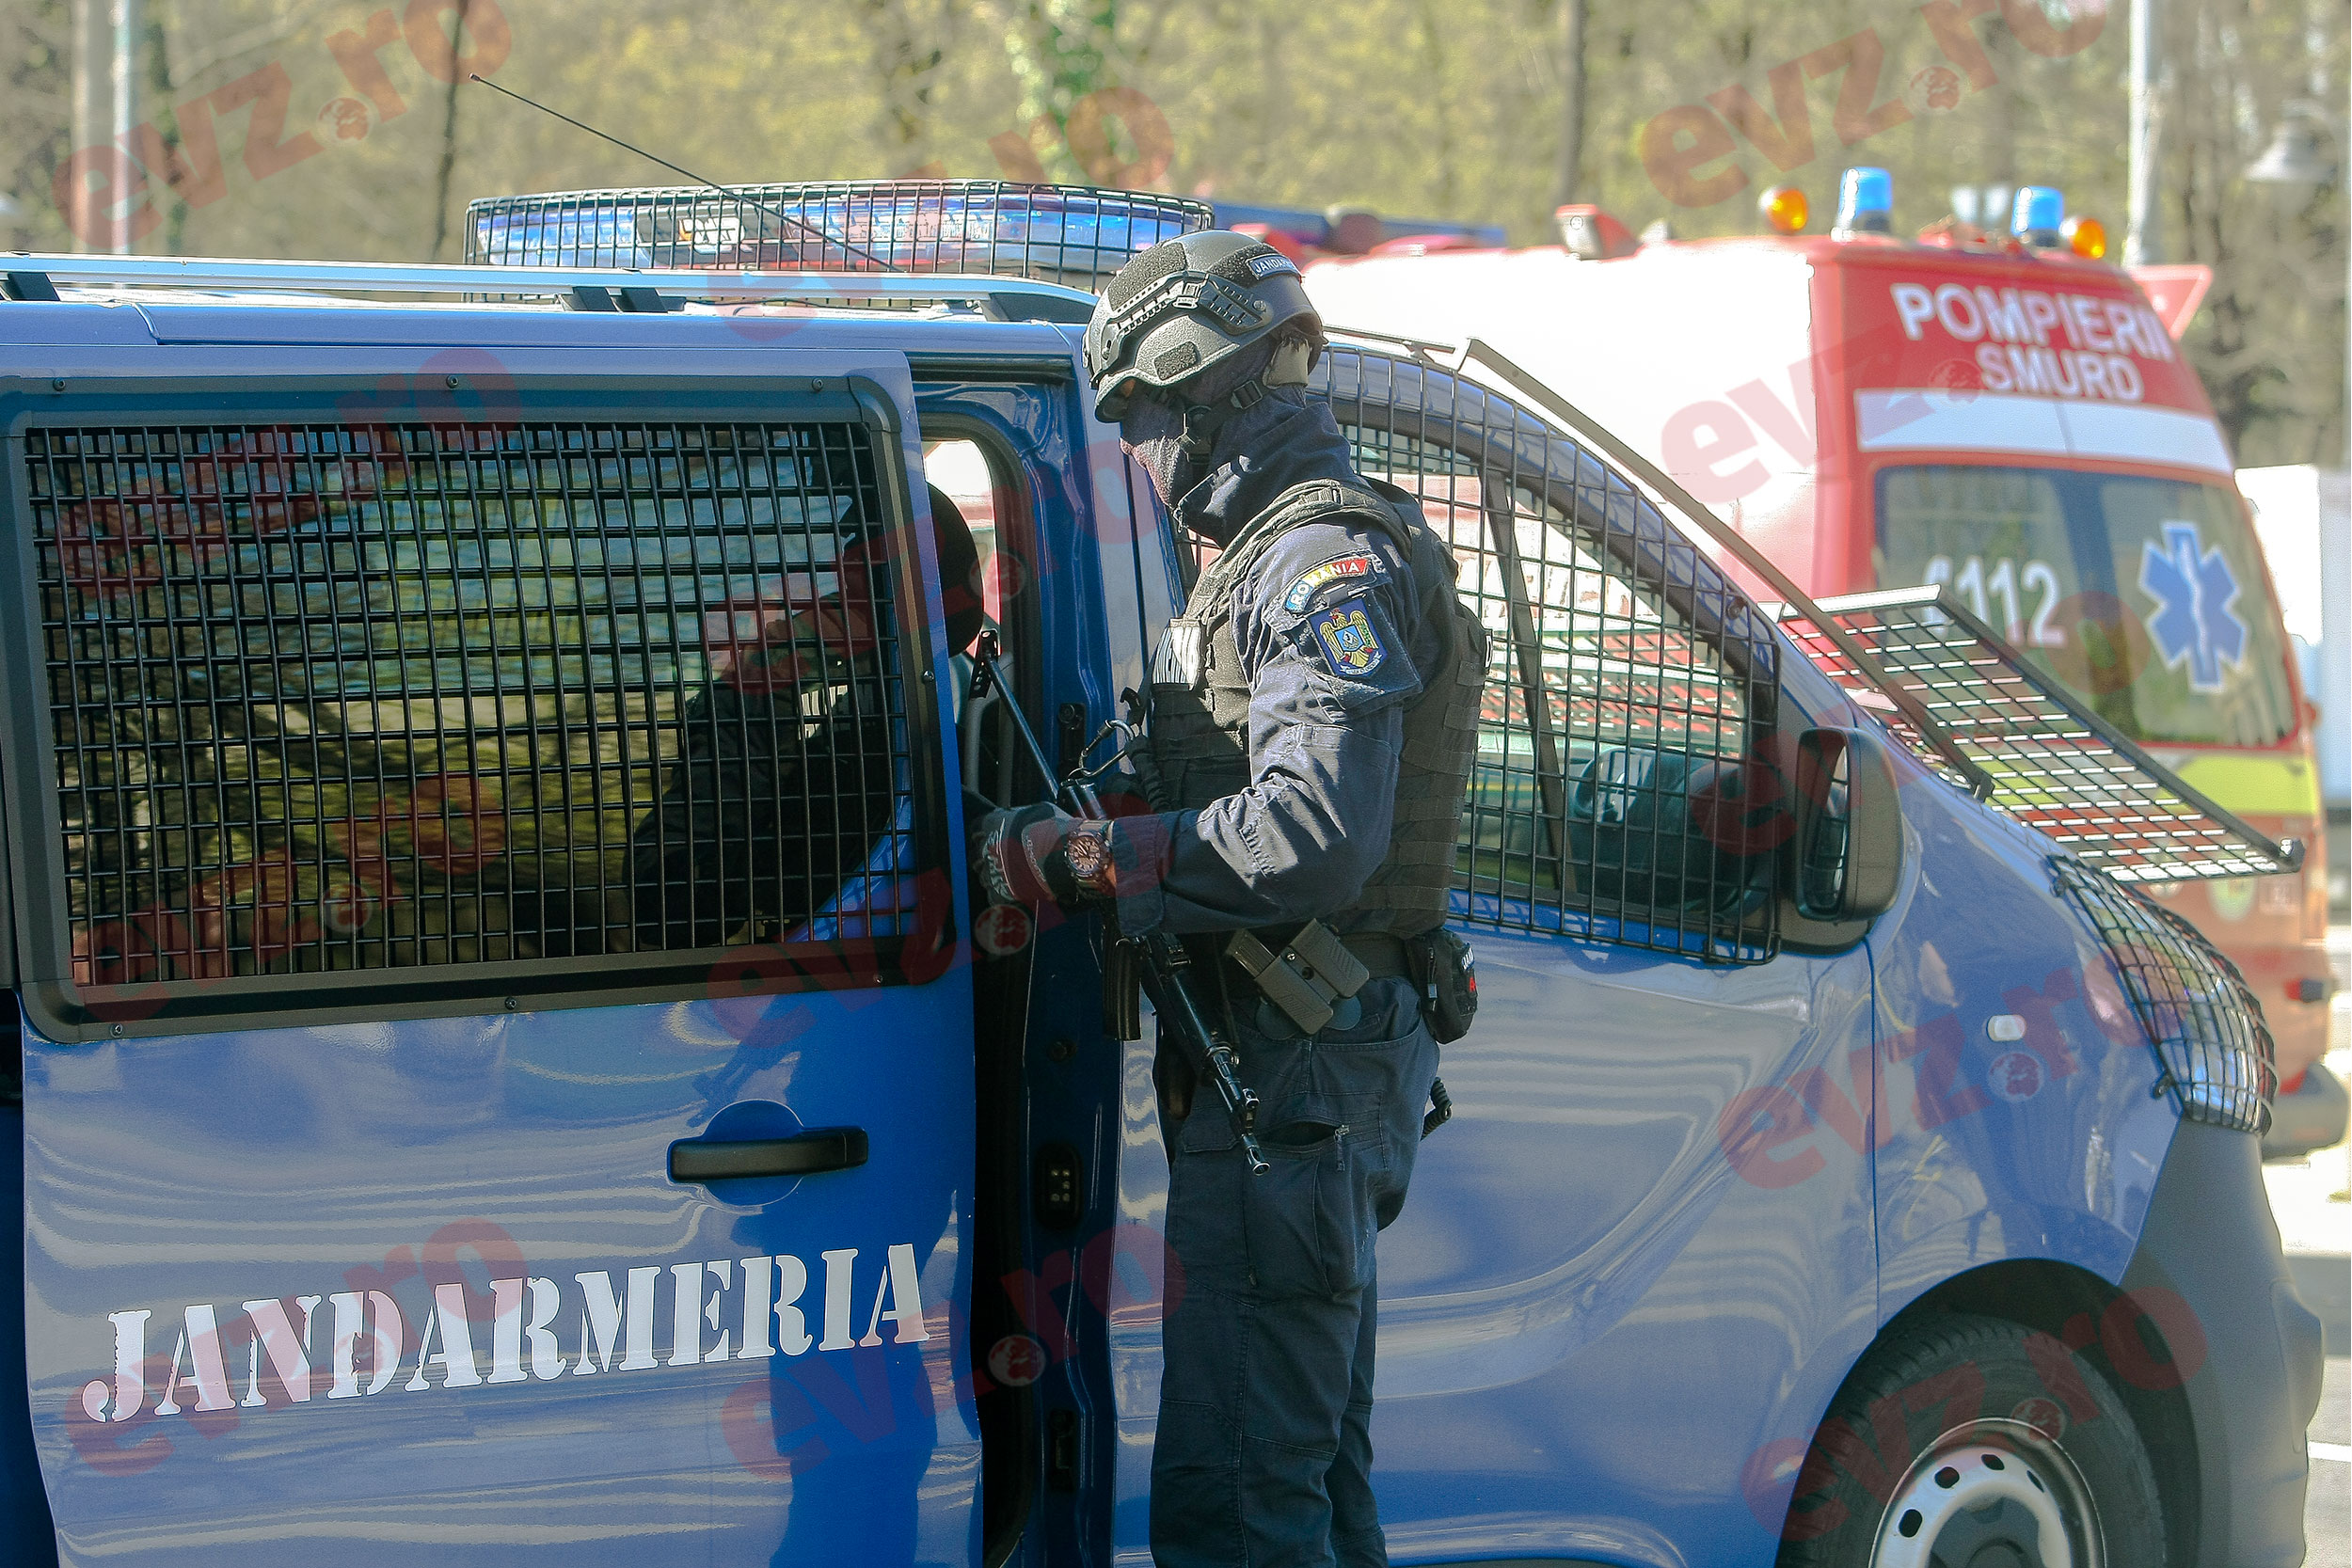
(498,1045)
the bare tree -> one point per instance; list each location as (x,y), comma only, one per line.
(445,173)
(1567,172)
(911,42)
(35,106)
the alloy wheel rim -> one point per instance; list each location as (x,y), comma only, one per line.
(1996,1494)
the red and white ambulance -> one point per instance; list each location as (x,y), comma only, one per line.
(2006,416)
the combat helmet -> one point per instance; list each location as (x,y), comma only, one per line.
(1184,307)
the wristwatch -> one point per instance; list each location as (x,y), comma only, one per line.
(1089,856)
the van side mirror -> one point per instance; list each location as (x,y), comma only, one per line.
(1850,826)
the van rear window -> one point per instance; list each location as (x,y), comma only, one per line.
(2146,595)
(327,697)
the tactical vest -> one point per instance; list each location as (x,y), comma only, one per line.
(1200,701)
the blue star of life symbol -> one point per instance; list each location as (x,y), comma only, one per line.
(2194,588)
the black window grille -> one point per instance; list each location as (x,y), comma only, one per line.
(2054,763)
(1621,788)
(1072,234)
(341,697)
(2214,1057)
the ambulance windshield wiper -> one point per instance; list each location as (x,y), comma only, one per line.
(750,201)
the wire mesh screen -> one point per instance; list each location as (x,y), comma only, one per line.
(328,697)
(2054,764)
(1071,234)
(2213,1047)
(1617,790)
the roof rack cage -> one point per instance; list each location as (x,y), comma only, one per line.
(1073,235)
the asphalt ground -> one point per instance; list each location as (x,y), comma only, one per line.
(2311,1200)
(2328,1514)
(2316,1225)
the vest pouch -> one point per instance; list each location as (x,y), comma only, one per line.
(1446,973)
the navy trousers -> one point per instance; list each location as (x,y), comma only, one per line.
(1263,1457)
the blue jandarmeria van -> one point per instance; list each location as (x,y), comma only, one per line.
(512,1071)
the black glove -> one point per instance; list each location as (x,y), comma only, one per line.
(1023,856)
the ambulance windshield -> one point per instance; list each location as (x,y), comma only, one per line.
(2146,595)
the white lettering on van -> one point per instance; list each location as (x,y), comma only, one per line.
(455,1356)
(2004,318)
(791,1323)
(601,1312)
(289,1358)
(690,1307)
(1957,313)
(2089,322)
(904,1293)
(2027,371)
(838,1264)
(2040,313)
(200,1345)
(385,1343)
(130,1385)
(509,1330)
(287,1362)
(1913,305)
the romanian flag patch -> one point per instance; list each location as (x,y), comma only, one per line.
(1345,568)
(1349,643)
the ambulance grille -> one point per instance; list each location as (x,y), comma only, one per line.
(2214,1050)
(537,698)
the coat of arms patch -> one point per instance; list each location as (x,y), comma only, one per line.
(1349,643)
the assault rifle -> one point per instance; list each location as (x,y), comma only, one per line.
(1169,977)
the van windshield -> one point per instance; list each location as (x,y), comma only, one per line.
(2146,595)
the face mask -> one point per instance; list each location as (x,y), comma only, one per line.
(1152,432)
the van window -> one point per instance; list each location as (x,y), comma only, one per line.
(960,470)
(1614,740)
(329,698)
(2147,596)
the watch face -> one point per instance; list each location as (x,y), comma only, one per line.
(1090,856)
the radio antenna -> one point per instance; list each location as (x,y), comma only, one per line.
(723,190)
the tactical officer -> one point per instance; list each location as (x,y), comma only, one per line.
(1313,713)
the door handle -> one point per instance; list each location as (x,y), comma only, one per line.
(820,1148)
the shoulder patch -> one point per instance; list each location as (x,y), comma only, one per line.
(1350,645)
(1345,568)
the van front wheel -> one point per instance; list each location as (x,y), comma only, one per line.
(1971,1442)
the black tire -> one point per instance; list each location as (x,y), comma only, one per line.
(2003,1435)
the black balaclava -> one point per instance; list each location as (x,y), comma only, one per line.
(1153,430)
(1284,439)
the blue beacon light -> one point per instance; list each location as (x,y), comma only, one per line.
(1865,202)
(2037,215)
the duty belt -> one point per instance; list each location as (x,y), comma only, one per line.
(1307,974)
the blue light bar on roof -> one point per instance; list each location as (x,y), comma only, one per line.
(1865,202)
(1071,234)
(2037,214)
